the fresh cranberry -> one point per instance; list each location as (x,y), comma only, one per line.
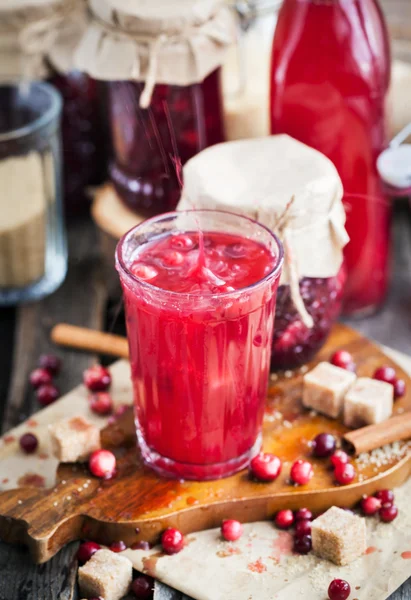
(302,527)
(86,551)
(344,474)
(40,377)
(182,242)
(143,545)
(386,374)
(172,541)
(323,445)
(386,496)
(339,458)
(284,519)
(231,530)
(47,394)
(102,463)
(399,388)
(97,378)
(370,505)
(172,258)
(301,472)
(142,587)
(303,514)
(28,443)
(101,403)
(118,546)
(388,512)
(342,359)
(51,363)
(266,467)
(302,545)
(339,590)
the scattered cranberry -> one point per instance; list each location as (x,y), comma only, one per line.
(101,403)
(284,519)
(339,458)
(339,590)
(303,514)
(40,377)
(388,512)
(143,272)
(386,496)
(143,545)
(370,505)
(118,546)
(51,363)
(303,527)
(386,374)
(399,388)
(172,258)
(182,242)
(301,472)
(343,359)
(28,443)
(302,545)
(231,530)
(266,467)
(86,551)
(323,445)
(97,378)
(172,541)
(47,394)
(102,463)
(344,474)
(142,587)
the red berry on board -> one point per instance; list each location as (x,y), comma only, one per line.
(399,388)
(265,466)
(86,551)
(231,530)
(370,505)
(344,474)
(388,512)
(47,394)
(101,403)
(28,443)
(301,472)
(118,546)
(97,378)
(343,359)
(142,587)
(40,377)
(323,445)
(339,590)
(284,519)
(303,514)
(102,463)
(339,458)
(172,541)
(386,374)
(386,496)
(302,527)
(51,363)
(302,545)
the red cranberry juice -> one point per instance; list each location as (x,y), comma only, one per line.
(330,76)
(200,356)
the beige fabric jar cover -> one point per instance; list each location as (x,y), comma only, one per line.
(175,42)
(284,184)
(33,30)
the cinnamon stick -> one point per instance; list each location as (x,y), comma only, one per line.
(374,436)
(89,340)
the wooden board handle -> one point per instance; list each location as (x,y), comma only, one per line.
(89,340)
(374,436)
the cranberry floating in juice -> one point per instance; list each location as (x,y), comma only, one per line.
(329,82)
(161,65)
(199,291)
(296,192)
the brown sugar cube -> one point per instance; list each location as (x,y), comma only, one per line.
(325,387)
(339,536)
(74,439)
(367,402)
(106,575)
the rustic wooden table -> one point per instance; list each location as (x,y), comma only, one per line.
(83,300)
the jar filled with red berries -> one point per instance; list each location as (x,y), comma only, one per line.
(296,192)
(160,62)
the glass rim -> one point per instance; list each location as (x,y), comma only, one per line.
(39,122)
(149,286)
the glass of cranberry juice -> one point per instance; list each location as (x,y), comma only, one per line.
(199,290)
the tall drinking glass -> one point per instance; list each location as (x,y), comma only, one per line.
(199,291)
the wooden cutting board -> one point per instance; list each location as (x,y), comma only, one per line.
(138,505)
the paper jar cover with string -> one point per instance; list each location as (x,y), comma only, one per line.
(176,42)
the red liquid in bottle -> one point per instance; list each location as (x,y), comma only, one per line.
(330,76)
(200,352)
